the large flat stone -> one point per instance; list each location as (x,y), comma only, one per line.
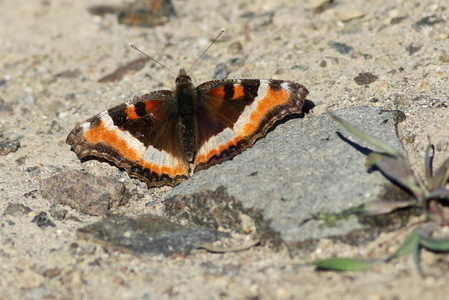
(301,168)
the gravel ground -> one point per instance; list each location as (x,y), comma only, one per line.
(52,55)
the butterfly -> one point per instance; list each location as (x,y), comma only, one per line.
(163,137)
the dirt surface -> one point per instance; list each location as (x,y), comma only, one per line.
(52,55)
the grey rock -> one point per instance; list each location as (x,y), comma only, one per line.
(301,168)
(146,234)
(17,210)
(89,194)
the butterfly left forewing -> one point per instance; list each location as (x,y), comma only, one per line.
(139,136)
(235,113)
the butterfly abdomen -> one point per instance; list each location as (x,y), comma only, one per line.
(185,96)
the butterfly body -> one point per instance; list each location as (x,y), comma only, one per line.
(185,97)
(165,136)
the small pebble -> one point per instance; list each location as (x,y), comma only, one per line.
(7,147)
(397,20)
(57,212)
(42,220)
(235,47)
(427,22)
(221,71)
(442,145)
(341,48)
(237,62)
(412,49)
(444,57)
(365,78)
(409,137)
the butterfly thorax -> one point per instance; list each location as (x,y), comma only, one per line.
(185,95)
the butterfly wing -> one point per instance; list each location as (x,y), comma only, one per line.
(235,113)
(142,136)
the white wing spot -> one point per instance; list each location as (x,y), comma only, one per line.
(246,114)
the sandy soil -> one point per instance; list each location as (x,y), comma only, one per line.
(279,39)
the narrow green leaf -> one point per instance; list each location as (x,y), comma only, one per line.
(396,169)
(343,264)
(330,219)
(365,137)
(441,176)
(436,245)
(417,258)
(411,242)
(428,163)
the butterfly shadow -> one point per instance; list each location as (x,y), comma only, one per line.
(363,150)
(101,160)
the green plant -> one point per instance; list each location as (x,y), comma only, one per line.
(428,194)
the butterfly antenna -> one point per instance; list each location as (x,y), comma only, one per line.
(135,48)
(219,34)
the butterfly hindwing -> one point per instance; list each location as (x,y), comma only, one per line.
(235,113)
(139,136)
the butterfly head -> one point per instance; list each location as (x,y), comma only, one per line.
(183,77)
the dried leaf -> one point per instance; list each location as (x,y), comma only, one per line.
(435,211)
(381,207)
(397,170)
(438,194)
(411,242)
